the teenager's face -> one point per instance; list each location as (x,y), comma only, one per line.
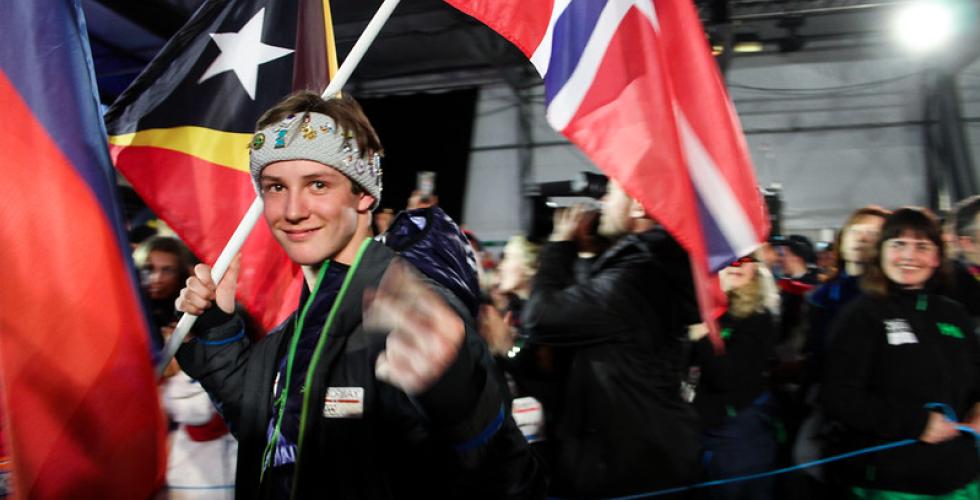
(161,275)
(311,211)
(909,260)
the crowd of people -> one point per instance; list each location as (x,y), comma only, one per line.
(416,365)
(875,346)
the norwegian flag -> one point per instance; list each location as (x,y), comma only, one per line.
(634,85)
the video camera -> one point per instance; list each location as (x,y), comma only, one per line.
(543,200)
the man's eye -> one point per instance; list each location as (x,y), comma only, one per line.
(273,188)
(319,185)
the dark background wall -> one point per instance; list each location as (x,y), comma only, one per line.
(424,132)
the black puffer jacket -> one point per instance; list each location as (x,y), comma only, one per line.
(624,427)
(400,447)
(889,357)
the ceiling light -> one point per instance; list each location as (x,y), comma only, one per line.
(747,42)
(924,26)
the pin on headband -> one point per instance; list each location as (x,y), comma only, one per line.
(316,137)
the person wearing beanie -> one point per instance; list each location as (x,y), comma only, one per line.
(799,277)
(372,388)
(797,258)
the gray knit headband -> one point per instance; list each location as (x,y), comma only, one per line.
(316,137)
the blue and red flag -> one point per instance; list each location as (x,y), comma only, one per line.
(634,85)
(82,416)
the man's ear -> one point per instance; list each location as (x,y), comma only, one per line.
(365,202)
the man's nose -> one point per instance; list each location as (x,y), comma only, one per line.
(296,208)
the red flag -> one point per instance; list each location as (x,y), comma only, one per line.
(180,132)
(634,86)
(80,399)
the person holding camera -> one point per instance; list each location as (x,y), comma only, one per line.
(624,427)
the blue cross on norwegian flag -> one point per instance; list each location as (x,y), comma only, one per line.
(634,85)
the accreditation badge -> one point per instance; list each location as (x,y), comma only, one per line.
(344,402)
(899,332)
(529,417)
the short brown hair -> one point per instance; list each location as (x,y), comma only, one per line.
(923,224)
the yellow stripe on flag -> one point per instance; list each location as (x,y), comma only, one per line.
(228,149)
(331,42)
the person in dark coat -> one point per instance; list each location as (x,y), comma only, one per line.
(897,351)
(624,428)
(797,261)
(165,263)
(377,386)
(732,396)
(855,242)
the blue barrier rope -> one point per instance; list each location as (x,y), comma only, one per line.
(750,477)
(947,411)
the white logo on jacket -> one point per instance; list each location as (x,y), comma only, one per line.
(899,332)
(344,402)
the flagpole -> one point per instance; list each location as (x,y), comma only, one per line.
(251,217)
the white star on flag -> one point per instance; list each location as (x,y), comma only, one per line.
(243,52)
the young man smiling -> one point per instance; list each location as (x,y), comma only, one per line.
(399,405)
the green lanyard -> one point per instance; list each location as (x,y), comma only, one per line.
(294,343)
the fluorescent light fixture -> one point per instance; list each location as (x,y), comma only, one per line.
(748,46)
(924,26)
(746,43)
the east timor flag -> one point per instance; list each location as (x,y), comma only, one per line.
(180,132)
(82,416)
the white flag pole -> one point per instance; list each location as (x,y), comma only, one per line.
(252,215)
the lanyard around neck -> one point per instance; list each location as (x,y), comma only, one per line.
(280,402)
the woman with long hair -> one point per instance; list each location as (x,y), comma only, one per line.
(732,396)
(900,354)
(854,246)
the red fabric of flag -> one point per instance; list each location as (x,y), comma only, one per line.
(180,133)
(82,416)
(634,86)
